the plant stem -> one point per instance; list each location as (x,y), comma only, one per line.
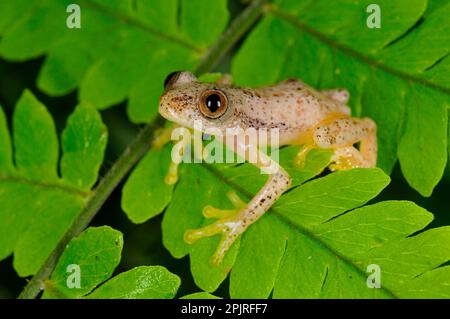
(134,152)
(237,29)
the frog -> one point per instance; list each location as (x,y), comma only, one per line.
(304,116)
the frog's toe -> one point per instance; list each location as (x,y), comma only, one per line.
(229,228)
(192,235)
(228,225)
(347,158)
(172,175)
(343,163)
(300,158)
(339,167)
(212,212)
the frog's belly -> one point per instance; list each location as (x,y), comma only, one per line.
(278,136)
(299,132)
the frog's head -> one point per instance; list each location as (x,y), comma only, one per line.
(187,101)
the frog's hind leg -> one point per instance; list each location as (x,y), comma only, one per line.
(300,158)
(341,134)
(232,223)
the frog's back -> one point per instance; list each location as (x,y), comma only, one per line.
(291,105)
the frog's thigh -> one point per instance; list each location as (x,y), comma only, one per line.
(300,158)
(339,95)
(232,224)
(345,132)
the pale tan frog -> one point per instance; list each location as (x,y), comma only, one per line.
(303,115)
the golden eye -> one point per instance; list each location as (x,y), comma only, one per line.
(213,103)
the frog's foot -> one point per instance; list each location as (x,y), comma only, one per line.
(346,158)
(228,225)
(172,175)
(300,158)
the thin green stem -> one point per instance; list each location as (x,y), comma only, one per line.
(134,152)
(237,29)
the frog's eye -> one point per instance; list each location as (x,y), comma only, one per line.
(213,103)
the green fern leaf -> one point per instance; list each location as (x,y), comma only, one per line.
(145,193)
(124,49)
(97,252)
(316,242)
(200,295)
(38,205)
(397,74)
(145,282)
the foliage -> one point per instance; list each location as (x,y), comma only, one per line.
(124,49)
(38,205)
(394,74)
(317,235)
(97,252)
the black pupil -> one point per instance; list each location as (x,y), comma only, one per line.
(213,102)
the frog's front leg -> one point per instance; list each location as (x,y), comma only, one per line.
(232,223)
(187,136)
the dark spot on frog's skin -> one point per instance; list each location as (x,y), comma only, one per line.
(247,92)
(182,99)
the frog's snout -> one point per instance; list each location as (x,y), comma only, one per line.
(169,108)
(164,106)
